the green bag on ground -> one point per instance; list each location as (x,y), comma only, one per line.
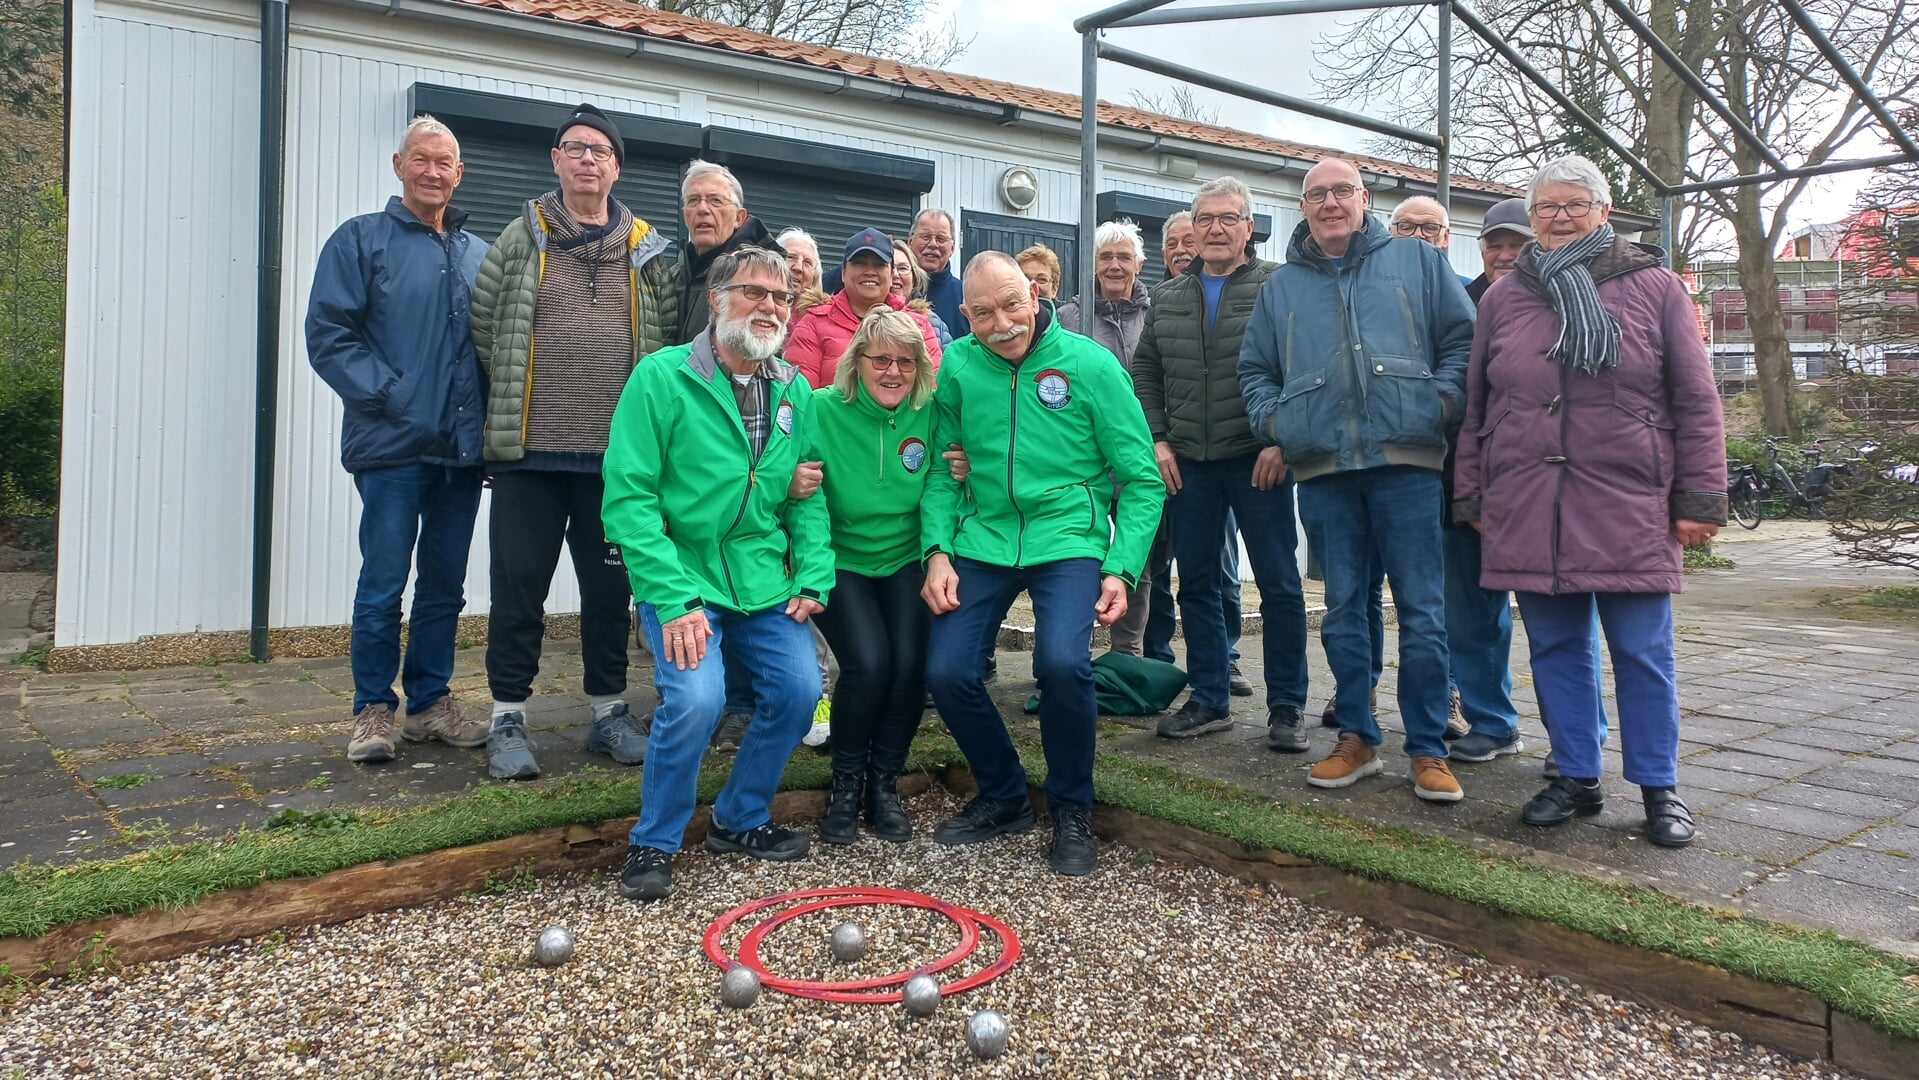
(1131,685)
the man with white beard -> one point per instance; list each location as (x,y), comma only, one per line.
(722,561)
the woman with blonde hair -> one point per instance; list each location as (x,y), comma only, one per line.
(875,430)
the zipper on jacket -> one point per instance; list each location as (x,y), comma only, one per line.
(1012,434)
(526,397)
(1559,482)
(726,568)
(1356,368)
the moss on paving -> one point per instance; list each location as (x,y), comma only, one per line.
(1874,986)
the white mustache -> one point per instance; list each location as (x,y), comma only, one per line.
(1005,336)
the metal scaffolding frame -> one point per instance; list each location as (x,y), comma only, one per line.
(1138,13)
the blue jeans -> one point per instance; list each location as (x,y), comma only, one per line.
(1063,593)
(1348,516)
(1209,492)
(778,654)
(1479,634)
(1160,623)
(1376,614)
(1638,628)
(409,513)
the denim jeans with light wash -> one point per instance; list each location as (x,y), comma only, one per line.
(1063,594)
(1209,492)
(1348,516)
(412,517)
(777,654)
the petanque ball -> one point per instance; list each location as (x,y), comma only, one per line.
(739,987)
(921,995)
(553,947)
(986,1032)
(849,942)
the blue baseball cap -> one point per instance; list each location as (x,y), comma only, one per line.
(869,239)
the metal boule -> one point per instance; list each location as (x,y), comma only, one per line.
(739,987)
(921,995)
(849,942)
(986,1033)
(553,947)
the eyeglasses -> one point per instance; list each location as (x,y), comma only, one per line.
(756,293)
(574,148)
(905,364)
(932,238)
(1428,229)
(1340,192)
(717,202)
(1224,221)
(1547,211)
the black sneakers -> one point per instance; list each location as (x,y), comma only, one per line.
(731,730)
(1238,684)
(1194,719)
(647,875)
(1286,729)
(768,841)
(1074,852)
(984,819)
(1563,799)
(1479,746)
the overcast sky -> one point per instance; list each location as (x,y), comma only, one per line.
(1032,42)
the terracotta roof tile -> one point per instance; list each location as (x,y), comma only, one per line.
(651,22)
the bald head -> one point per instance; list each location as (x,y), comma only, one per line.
(1422,218)
(1334,202)
(1001,304)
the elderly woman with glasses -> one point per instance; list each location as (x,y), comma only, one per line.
(874,427)
(821,335)
(1593,449)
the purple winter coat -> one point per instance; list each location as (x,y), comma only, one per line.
(1575,479)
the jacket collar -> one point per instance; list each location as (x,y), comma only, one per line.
(454,220)
(1623,257)
(1304,250)
(751,233)
(704,361)
(1132,303)
(841,308)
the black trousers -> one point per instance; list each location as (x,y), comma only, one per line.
(877,628)
(534,512)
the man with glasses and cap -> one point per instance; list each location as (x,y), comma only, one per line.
(575,290)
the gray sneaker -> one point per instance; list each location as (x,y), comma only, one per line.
(372,738)
(726,737)
(509,755)
(1456,723)
(444,720)
(1330,717)
(1479,746)
(619,736)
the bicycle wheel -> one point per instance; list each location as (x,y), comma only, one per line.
(1745,506)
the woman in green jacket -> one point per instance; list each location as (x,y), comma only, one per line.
(874,425)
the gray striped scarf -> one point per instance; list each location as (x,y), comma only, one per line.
(1588,333)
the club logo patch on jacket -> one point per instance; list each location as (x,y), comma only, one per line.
(1053,389)
(784,418)
(913,454)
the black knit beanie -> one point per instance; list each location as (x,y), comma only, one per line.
(588,116)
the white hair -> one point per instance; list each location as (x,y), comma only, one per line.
(799,234)
(425,124)
(1574,170)
(1225,185)
(1120,229)
(701,167)
(1423,202)
(1178,217)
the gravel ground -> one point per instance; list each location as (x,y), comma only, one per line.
(1144,969)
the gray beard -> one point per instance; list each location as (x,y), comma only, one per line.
(737,335)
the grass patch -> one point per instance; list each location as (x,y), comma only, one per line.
(1705,558)
(124,780)
(35,657)
(1883,602)
(1892,597)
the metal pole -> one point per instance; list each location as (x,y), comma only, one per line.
(1443,168)
(1154,64)
(266,391)
(1668,228)
(1831,53)
(1256,11)
(1088,169)
(1790,174)
(1693,81)
(1108,16)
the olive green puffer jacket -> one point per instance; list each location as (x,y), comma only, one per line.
(503,300)
(1186,372)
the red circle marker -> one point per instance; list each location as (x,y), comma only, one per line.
(807,901)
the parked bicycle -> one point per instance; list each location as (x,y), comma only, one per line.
(1805,496)
(1743,487)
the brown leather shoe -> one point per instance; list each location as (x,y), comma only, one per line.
(1350,760)
(1433,780)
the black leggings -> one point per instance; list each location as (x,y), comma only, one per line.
(877,628)
(534,512)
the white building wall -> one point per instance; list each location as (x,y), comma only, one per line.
(157,461)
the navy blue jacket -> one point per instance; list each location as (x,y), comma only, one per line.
(1362,364)
(387,328)
(949,300)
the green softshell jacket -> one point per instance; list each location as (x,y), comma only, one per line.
(876,461)
(1041,438)
(699,522)
(503,299)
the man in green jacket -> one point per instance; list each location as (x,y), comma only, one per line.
(575,290)
(1049,421)
(719,555)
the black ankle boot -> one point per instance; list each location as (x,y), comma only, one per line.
(883,810)
(841,822)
